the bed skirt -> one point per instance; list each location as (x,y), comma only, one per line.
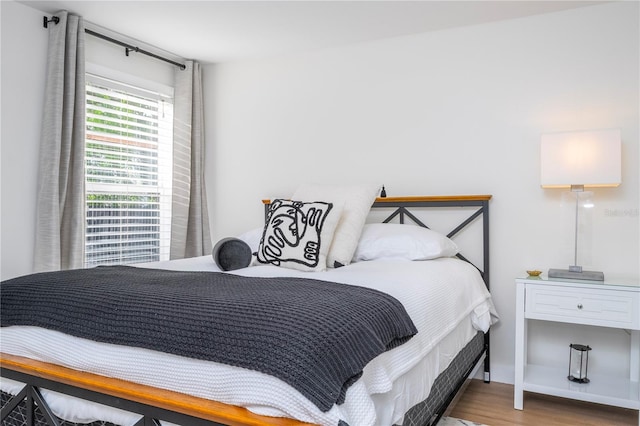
(427,412)
(446,385)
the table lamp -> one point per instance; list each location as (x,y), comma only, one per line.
(576,160)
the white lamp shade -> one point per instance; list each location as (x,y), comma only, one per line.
(589,158)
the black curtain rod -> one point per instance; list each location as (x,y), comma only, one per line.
(127,47)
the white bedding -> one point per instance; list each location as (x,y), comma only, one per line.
(446,299)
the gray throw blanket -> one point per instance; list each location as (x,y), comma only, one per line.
(316,336)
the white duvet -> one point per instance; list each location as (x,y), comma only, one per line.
(446,299)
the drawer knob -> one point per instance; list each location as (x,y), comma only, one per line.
(579,305)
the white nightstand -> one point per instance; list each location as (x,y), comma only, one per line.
(608,304)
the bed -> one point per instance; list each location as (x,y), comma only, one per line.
(409,384)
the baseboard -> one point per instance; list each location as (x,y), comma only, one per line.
(500,373)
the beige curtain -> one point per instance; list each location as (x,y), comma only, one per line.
(190,235)
(60,199)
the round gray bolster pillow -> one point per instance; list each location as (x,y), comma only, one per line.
(231,253)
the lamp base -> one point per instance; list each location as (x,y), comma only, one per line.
(574,379)
(571,275)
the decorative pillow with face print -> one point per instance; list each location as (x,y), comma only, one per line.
(298,234)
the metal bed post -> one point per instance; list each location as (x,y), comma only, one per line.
(486,276)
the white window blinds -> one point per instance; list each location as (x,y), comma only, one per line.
(128,173)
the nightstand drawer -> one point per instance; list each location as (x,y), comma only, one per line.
(606,308)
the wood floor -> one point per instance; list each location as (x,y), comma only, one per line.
(492,404)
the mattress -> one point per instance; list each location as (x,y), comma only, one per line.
(446,299)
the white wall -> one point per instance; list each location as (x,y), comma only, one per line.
(451,112)
(24,50)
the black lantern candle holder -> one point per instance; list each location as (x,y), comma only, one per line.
(578,363)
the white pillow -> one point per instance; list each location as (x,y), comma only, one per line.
(298,235)
(356,201)
(252,238)
(398,241)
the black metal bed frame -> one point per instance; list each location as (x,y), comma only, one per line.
(150,413)
(31,393)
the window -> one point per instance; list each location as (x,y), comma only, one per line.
(128,173)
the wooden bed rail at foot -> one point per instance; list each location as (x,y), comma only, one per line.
(147,395)
(423,198)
